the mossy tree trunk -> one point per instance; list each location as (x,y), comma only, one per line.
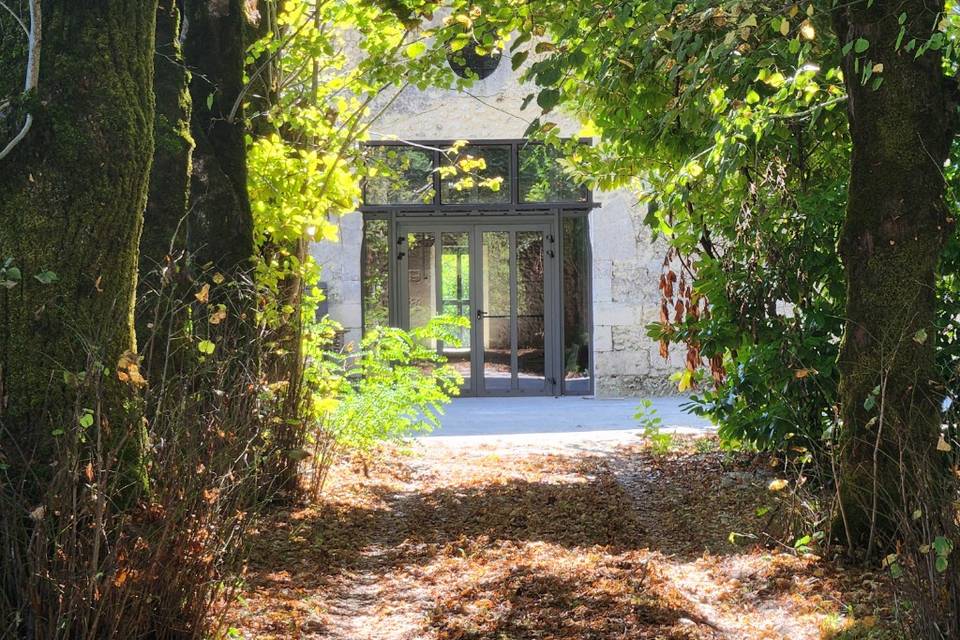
(72,196)
(163,248)
(221,223)
(896,225)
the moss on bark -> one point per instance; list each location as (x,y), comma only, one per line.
(163,244)
(221,230)
(895,228)
(72,196)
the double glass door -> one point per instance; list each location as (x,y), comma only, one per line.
(500,279)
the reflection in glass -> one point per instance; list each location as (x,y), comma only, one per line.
(497,338)
(421,283)
(474,164)
(542,178)
(576,328)
(399,175)
(531,369)
(376,274)
(455,296)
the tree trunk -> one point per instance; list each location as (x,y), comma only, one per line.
(896,226)
(163,243)
(221,229)
(72,196)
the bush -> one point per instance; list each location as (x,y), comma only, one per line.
(99,556)
(394,385)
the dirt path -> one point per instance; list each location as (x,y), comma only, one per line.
(484,544)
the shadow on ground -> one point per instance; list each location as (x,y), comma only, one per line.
(485,547)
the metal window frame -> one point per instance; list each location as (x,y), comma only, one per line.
(438,206)
(443,216)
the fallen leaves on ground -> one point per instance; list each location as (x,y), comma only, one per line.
(458,544)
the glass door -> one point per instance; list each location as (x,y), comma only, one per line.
(514,291)
(501,279)
(435,279)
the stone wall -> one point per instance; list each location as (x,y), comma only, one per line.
(626,263)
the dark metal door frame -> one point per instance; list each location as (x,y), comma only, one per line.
(475,227)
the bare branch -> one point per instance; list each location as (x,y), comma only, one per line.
(33,69)
(33,56)
(20,136)
(26,31)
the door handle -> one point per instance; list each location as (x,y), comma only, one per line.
(481,314)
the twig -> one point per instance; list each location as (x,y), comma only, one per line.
(26,31)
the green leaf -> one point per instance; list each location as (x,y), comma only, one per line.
(920,336)
(416,49)
(775,80)
(942,546)
(206,347)
(46,277)
(518,59)
(86,419)
(548,99)
(523,37)
(940,564)
(861,45)
(753,97)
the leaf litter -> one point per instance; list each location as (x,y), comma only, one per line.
(478,544)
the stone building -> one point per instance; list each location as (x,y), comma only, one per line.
(558,283)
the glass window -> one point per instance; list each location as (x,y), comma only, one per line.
(376,274)
(576,311)
(531,328)
(542,178)
(455,297)
(482,176)
(497,313)
(399,175)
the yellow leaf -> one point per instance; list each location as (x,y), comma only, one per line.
(219,315)
(204,294)
(778,485)
(943,445)
(878,68)
(807,31)
(784,27)
(803,373)
(128,369)
(133,371)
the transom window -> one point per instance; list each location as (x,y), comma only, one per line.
(513,174)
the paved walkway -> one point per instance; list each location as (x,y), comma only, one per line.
(548,422)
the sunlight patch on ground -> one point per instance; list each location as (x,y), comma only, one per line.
(482,545)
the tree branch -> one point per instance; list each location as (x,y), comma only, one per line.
(33,70)
(26,31)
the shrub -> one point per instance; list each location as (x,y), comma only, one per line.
(394,385)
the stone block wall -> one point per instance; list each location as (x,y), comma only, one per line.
(626,263)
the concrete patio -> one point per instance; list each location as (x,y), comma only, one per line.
(548,421)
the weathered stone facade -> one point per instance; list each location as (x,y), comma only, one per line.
(626,262)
